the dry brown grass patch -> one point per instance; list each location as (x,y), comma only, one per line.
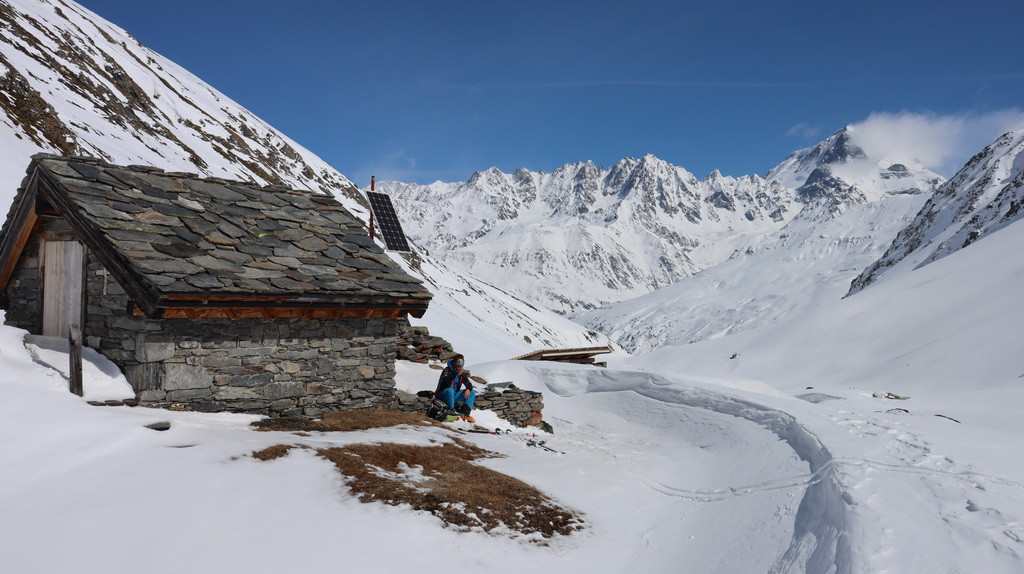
(368,419)
(270,453)
(451,487)
(441,479)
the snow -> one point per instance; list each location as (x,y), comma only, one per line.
(681,456)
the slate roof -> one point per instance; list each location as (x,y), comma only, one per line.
(181,240)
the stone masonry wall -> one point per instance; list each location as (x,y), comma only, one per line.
(286,367)
(416,344)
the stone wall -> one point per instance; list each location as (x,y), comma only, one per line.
(416,344)
(22,308)
(21,297)
(286,367)
(518,406)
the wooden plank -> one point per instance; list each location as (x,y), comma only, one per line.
(23,225)
(270,313)
(59,344)
(75,359)
(63,282)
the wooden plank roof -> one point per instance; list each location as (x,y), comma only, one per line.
(176,240)
(567,355)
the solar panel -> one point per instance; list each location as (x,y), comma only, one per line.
(387,221)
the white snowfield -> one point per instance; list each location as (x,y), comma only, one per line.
(737,468)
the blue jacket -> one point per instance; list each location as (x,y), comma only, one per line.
(451,379)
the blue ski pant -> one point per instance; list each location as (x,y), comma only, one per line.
(451,399)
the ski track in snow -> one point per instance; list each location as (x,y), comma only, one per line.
(819,542)
(833,527)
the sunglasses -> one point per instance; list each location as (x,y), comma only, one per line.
(460,363)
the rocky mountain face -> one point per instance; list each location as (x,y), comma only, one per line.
(72,83)
(986,195)
(838,173)
(583,236)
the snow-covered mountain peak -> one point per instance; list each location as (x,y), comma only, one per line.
(841,171)
(986,195)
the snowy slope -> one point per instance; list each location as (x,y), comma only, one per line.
(76,84)
(934,480)
(808,263)
(984,196)
(73,83)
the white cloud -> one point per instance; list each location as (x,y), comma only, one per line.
(942,143)
(805,131)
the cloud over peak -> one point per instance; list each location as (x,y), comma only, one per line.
(942,143)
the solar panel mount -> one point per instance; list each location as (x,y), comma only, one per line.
(387,221)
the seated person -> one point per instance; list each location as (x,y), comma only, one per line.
(455,388)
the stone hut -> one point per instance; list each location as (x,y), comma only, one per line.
(209,294)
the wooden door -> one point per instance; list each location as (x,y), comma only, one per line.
(63,285)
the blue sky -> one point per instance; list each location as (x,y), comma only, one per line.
(421,91)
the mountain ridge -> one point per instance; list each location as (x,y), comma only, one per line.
(584,237)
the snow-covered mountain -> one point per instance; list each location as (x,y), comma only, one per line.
(583,236)
(841,171)
(986,195)
(72,83)
(809,262)
(75,84)
(851,204)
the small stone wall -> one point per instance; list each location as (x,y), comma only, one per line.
(518,406)
(416,344)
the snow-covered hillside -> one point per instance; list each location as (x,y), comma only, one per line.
(73,83)
(808,263)
(985,196)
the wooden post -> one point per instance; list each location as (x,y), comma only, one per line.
(75,356)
